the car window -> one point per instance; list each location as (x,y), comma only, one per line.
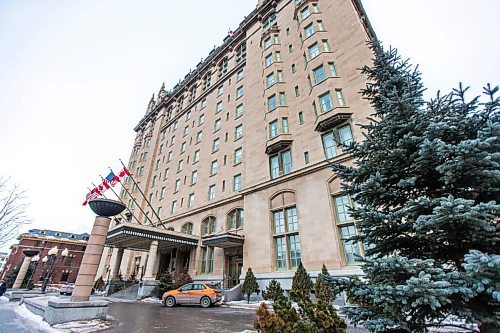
(186,287)
(198,287)
(213,285)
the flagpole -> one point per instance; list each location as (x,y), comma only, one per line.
(119,199)
(106,198)
(147,201)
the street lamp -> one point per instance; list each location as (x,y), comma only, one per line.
(51,259)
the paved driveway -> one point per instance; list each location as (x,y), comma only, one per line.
(147,317)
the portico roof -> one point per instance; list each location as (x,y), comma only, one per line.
(224,240)
(139,237)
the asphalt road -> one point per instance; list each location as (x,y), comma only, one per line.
(147,317)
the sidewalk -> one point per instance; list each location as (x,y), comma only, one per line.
(12,322)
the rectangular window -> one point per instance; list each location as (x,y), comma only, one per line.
(183,147)
(237,183)
(169,157)
(177,185)
(239,75)
(351,248)
(211,256)
(329,145)
(297,91)
(326,46)
(218,107)
(304,13)
(239,111)
(166,173)
(345,135)
(276,39)
(162,192)
(271,103)
(301,118)
(179,166)
(194,177)
(279,222)
(270,79)
(201,119)
(196,156)
(220,90)
(241,53)
(217,125)
(294,247)
(315,8)
(267,42)
(284,125)
(174,207)
(326,102)
(199,136)
(186,130)
(278,56)
(239,92)
(158,211)
(215,145)
(211,192)
(191,200)
(203,267)
(294,69)
(282,99)
(342,206)
(340,97)
(280,76)
(268,60)
(280,248)
(213,168)
(273,129)
(238,133)
(238,156)
(319,74)
(309,30)
(203,103)
(306,157)
(320,26)
(281,163)
(313,51)
(291,219)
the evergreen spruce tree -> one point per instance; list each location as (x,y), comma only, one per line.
(273,291)
(250,285)
(11,277)
(301,284)
(322,288)
(166,282)
(182,279)
(426,182)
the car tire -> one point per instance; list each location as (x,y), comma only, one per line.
(205,302)
(170,301)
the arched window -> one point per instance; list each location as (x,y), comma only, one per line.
(209,225)
(235,219)
(285,227)
(187,228)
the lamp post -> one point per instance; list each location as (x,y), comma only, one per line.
(51,259)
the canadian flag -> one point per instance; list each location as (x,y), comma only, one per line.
(230,32)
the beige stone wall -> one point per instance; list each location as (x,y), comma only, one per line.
(310,183)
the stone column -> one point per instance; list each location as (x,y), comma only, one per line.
(142,265)
(90,262)
(22,273)
(153,249)
(115,268)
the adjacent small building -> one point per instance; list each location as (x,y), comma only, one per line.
(65,269)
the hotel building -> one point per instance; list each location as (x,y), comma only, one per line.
(236,158)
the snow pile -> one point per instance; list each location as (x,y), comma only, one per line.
(253,305)
(151,300)
(34,320)
(83,326)
(3,299)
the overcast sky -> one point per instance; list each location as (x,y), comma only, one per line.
(76,77)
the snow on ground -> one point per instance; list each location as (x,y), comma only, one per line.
(34,320)
(83,326)
(253,305)
(3,299)
(151,300)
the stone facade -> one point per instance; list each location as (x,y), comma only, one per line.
(239,152)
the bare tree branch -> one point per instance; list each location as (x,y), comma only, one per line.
(13,207)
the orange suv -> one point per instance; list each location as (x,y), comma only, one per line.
(204,294)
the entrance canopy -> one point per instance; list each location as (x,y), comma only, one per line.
(139,237)
(224,240)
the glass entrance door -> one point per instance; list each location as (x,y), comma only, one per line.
(235,266)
